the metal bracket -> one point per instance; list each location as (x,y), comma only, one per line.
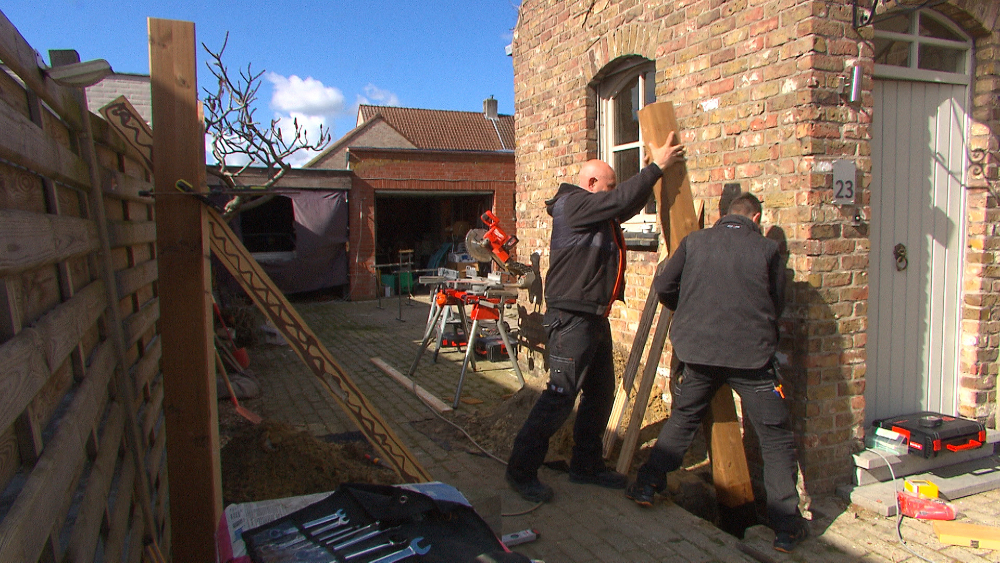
(863,16)
(978,167)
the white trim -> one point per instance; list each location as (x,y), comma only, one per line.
(891,72)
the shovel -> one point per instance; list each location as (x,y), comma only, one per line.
(239,353)
(240,409)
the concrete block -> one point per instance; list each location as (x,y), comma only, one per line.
(953,481)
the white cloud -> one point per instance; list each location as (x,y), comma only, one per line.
(308,123)
(373,95)
(306,97)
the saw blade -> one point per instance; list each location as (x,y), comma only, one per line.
(477,246)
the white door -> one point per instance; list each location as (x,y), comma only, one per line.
(915,263)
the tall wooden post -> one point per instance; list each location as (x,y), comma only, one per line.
(186,328)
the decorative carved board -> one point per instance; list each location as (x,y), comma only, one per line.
(125,119)
(269,299)
(678,218)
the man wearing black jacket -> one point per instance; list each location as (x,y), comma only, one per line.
(586,276)
(727,288)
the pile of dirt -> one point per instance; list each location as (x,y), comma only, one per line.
(273,460)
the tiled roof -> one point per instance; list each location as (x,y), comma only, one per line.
(446,130)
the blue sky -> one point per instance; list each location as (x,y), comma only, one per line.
(321,58)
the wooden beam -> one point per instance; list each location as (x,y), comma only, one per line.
(190,406)
(304,342)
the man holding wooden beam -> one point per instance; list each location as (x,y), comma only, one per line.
(586,276)
(726,286)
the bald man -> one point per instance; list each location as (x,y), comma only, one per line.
(586,276)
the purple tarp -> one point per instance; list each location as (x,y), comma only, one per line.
(321,237)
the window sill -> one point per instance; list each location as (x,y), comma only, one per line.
(642,241)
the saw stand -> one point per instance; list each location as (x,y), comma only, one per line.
(489,302)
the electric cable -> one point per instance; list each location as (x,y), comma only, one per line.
(899,509)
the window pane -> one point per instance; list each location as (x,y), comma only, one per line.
(941,58)
(626,163)
(930,27)
(627,114)
(650,88)
(898,24)
(892,52)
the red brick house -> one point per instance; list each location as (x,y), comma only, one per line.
(881,181)
(418,178)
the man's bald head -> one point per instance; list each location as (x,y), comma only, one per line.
(596,176)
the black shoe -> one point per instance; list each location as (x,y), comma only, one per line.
(532,490)
(642,493)
(785,542)
(602,478)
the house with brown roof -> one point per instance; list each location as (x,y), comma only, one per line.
(420,179)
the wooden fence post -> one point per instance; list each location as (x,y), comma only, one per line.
(189,406)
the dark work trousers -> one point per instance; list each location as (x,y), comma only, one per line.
(580,360)
(766,410)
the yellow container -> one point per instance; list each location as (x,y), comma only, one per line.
(921,487)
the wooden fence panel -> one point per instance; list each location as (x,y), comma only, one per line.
(81,389)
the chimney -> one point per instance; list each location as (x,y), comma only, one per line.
(490,108)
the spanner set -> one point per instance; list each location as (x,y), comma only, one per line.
(333,539)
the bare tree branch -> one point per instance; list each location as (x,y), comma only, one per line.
(238,137)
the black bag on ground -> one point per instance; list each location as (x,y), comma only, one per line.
(453,531)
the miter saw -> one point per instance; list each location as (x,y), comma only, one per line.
(494,245)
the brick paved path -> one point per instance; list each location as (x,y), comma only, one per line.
(582,524)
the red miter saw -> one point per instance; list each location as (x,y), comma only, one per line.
(494,245)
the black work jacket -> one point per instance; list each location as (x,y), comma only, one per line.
(727,288)
(587,251)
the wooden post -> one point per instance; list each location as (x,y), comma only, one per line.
(189,403)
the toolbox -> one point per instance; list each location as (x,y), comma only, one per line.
(929,433)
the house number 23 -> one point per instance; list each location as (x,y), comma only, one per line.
(845,174)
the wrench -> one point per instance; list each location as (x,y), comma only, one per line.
(339,515)
(409,551)
(373,549)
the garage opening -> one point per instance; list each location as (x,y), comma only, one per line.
(430,224)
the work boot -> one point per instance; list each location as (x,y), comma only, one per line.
(643,493)
(602,478)
(785,541)
(531,490)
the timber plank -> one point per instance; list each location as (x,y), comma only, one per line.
(642,394)
(137,324)
(143,372)
(23,371)
(123,186)
(18,56)
(128,233)
(34,240)
(65,326)
(120,514)
(132,279)
(27,145)
(10,458)
(40,505)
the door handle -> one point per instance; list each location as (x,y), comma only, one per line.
(899,253)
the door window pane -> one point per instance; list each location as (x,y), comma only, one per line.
(892,52)
(932,57)
(930,27)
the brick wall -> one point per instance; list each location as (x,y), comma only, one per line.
(410,170)
(757,104)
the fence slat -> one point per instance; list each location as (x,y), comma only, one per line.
(122,233)
(33,240)
(66,324)
(40,504)
(137,324)
(25,144)
(18,55)
(131,279)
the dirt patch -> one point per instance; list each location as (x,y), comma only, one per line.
(273,460)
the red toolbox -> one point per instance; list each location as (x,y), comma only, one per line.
(931,433)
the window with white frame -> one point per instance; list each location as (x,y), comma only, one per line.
(922,45)
(628,87)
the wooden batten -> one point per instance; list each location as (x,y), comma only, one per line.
(32,240)
(186,328)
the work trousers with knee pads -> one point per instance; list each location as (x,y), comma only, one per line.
(580,362)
